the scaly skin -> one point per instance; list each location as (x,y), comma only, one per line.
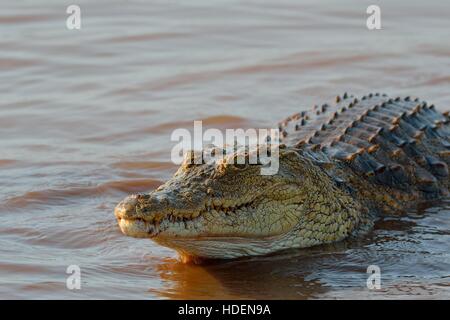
(226,210)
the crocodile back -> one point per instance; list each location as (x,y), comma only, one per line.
(402,143)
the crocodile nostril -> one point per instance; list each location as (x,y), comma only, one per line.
(126,208)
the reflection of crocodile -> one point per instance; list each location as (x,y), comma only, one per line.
(341,164)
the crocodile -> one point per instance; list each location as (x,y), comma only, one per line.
(342,165)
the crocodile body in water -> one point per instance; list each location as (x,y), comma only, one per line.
(340,166)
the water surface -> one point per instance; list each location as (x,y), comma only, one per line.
(86,117)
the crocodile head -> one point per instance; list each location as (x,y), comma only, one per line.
(228,210)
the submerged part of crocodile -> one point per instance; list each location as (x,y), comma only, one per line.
(343,164)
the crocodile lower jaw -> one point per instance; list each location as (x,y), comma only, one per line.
(138,228)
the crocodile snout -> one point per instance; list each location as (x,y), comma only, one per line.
(126,209)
